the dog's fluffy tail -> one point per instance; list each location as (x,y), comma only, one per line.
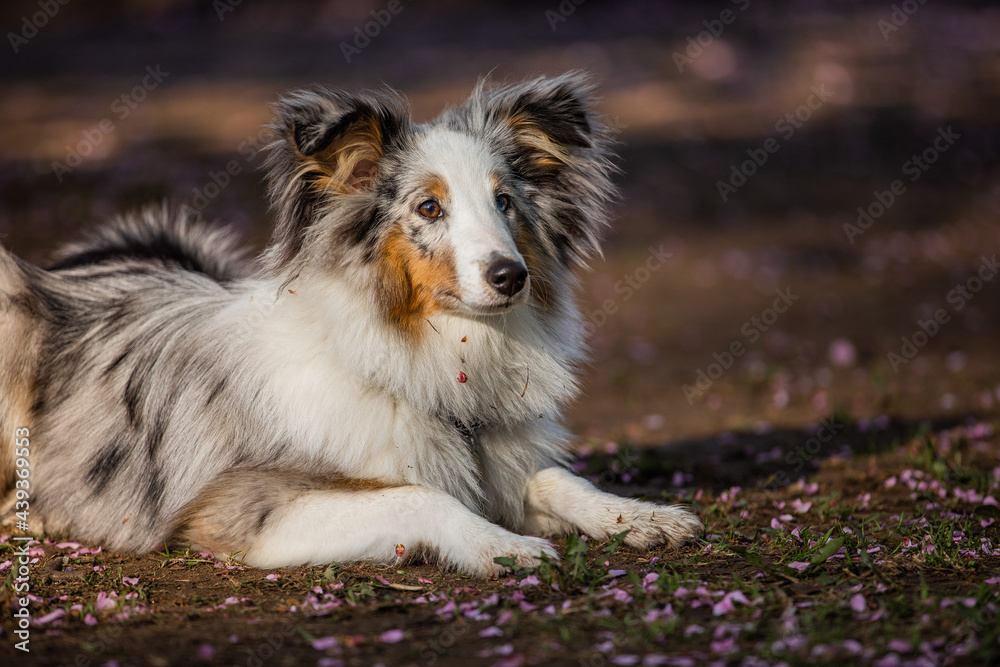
(153,238)
(22,331)
(159,237)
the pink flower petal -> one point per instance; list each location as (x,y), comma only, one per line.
(842,353)
(513,661)
(392,636)
(105,601)
(852,646)
(693,629)
(52,616)
(723,607)
(324,643)
(801,507)
(900,646)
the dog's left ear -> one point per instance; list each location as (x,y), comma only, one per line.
(328,147)
(557,144)
(547,117)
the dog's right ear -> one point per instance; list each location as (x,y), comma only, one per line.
(327,145)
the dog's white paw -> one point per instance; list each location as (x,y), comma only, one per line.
(476,558)
(651,525)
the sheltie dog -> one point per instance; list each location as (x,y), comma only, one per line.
(386,381)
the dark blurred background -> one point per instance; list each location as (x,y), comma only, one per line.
(107,106)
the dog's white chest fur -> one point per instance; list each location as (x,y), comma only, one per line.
(368,405)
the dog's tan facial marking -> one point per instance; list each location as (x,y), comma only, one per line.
(413,280)
(437,189)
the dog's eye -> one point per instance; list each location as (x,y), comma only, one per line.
(430,209)
(503,202)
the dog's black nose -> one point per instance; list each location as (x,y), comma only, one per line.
(507,276)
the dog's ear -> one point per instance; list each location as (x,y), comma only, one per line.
(553,139)
(546,117)
(328,145)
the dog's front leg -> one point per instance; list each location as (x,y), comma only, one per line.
(558,502)
(277,520)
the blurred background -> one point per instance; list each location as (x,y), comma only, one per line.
(752,132)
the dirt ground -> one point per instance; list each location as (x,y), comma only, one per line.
(845,460)
(764,584)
